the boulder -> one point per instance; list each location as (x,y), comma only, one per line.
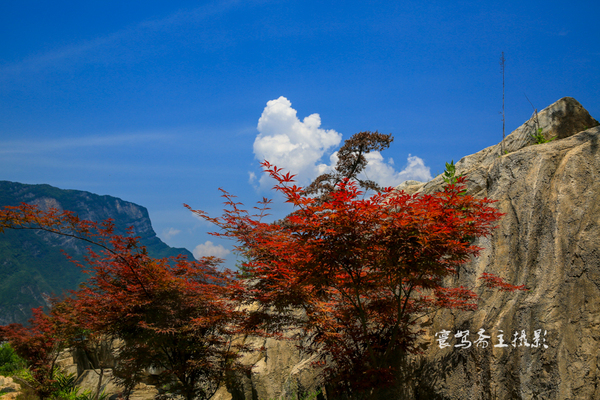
(88,381)
(279,371)
(562,119)
(9,390)
(410,186)
(66,363)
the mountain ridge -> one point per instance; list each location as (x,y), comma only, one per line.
(32,267)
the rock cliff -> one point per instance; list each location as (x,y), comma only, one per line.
(548,239)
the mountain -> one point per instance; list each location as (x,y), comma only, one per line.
(32,267)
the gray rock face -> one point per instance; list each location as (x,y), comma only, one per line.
(560,120)
(278,372)
(88,381)
(549,240)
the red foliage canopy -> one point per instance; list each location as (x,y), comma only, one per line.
(362,270)
(39,345)
(171,314)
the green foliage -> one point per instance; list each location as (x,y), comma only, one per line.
(450,176)
(88,395)
(450,173)
(65,383)
(72,393)
(64,388)
(311,396)
(539,137)
(10,362)
(23,374)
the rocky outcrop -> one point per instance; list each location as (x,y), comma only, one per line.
(548,240)
(279,371)
(90,378)
(9,390)
(88,381)
(560,120)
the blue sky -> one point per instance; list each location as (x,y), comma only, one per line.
(162,103)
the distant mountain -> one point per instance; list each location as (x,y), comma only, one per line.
(32,267)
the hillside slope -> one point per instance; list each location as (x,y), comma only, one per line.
(32,267)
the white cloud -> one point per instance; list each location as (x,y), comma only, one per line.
(383,173)
(291,144)
(169,233)
(251,177)
(298,147)
(208,248)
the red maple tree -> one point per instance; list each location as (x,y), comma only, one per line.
(39,345)
(362,271)
(173,315)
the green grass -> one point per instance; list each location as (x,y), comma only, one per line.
(10,362)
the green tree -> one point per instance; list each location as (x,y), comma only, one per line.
(10,362)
